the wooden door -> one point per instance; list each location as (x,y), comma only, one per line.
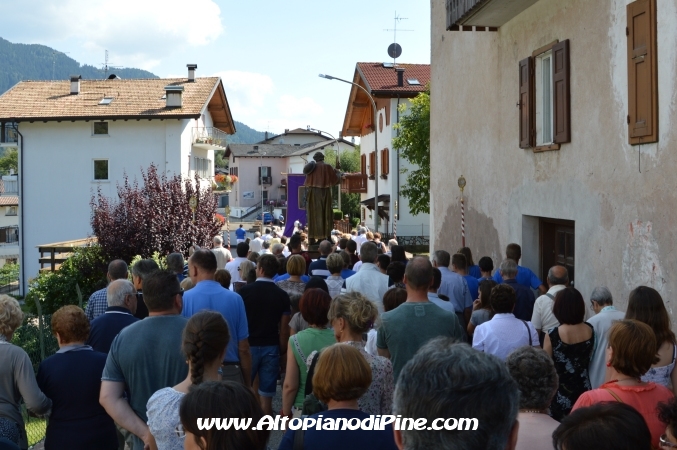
(558,242)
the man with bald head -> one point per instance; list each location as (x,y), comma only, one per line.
(542,318)
(408,327)
(98,302)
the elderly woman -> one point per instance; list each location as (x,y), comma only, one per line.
(342,377)
(335,281)
(631,351)
(646,305)
(296,268)
(570,345)
(534,372)
(17,379)
(72,379)
(314,307)
(352,315)
(245,268)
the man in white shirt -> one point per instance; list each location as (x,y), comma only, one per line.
(361,238)
(369,280)
(233,267)
(265,248)
(605,316)
(542,318)
(504,332)
(257,243)
(267,236)
(223,255)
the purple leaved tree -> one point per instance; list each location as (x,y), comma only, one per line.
(155,217)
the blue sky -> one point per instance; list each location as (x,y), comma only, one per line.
(268,53)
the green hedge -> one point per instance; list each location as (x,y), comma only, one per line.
(338,214)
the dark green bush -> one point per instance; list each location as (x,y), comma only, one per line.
(355,221)
(338,214)
(86,269)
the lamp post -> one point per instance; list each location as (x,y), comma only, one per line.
(373,104)
(338,156)
(263,217)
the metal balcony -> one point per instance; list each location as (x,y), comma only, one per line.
(209,138)
(484,13)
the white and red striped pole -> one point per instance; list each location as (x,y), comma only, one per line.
(226,212)
(395,222)
(461,185)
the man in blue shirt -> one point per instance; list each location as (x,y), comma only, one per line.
(240,234)
(208,294)
(318,268)
(454,287)
(525,299)
(98,302)
(525,276)
(120,313)
(460,266)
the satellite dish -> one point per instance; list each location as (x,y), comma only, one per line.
(394,50)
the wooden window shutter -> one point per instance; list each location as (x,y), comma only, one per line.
(561,94)
(363,164)
(385,162)
(372,164)
(642,72)
(526,84)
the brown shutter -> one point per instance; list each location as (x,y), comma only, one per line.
(363,164)
(372,164)
(526,110)
(642,72)
(562,97)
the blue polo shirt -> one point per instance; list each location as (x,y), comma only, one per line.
(525,277)
(473,286)
(318,268)
(347,273)
(210,295)
(286,276)
(240,233)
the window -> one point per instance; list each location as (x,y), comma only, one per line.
(265,175)
(233,171)
(100,128)
(202,166)
(642,72)
(372,165)
(101,169)
(106,101)
(544,98)
(11,211)
(385,163)
(363,164)
(413,81)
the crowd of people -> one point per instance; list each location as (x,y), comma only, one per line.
(361,331)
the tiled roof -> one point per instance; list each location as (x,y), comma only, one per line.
(317,146)
(384,79)
(270,150)
(142,98)
(9,200)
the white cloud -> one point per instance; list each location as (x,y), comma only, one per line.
(298,108)
(136,32)
(246,92)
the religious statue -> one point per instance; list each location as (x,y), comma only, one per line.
(320,178)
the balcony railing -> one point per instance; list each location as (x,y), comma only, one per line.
(354,183)
(484,13)
(266,180)
(10,185)
(209,137)
(458,9)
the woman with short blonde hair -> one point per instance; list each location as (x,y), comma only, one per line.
(17,378)
(296,267)
(342,376)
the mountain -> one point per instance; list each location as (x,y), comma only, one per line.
(38,62)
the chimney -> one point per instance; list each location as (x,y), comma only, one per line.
(400,76)
(266,136)
(75,84)
(191,71)
(173,94)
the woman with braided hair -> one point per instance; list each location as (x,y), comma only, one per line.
(205,339)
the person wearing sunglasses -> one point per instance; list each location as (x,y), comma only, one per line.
(667,413)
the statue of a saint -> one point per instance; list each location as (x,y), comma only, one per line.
(320,178)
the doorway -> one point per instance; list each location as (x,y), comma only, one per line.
(558,243)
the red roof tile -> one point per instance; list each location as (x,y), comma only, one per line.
(384,79)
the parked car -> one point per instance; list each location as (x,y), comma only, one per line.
(267,218)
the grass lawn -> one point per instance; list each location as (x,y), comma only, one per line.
(35,430)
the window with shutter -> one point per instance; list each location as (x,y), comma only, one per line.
(363,164)
(385,163)
(525,103)
(372,165)
(642,72)
(561,96)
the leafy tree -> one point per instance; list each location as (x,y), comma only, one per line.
(10,160)
(155,217)
(413,142)
(350,163)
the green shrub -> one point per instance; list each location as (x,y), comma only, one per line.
(338,214)
(355,221)
(84,270)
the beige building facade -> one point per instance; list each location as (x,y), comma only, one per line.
(573,157)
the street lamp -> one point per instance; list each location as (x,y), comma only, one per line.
(373,104)
(338,156)
(263,218)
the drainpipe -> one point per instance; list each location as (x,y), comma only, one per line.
(397,162)
(22,259)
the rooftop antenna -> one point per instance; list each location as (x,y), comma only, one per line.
(54,53)
(106,66)
(395,49)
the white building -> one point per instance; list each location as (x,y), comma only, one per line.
(390,87)
(560,114)
(81,136)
